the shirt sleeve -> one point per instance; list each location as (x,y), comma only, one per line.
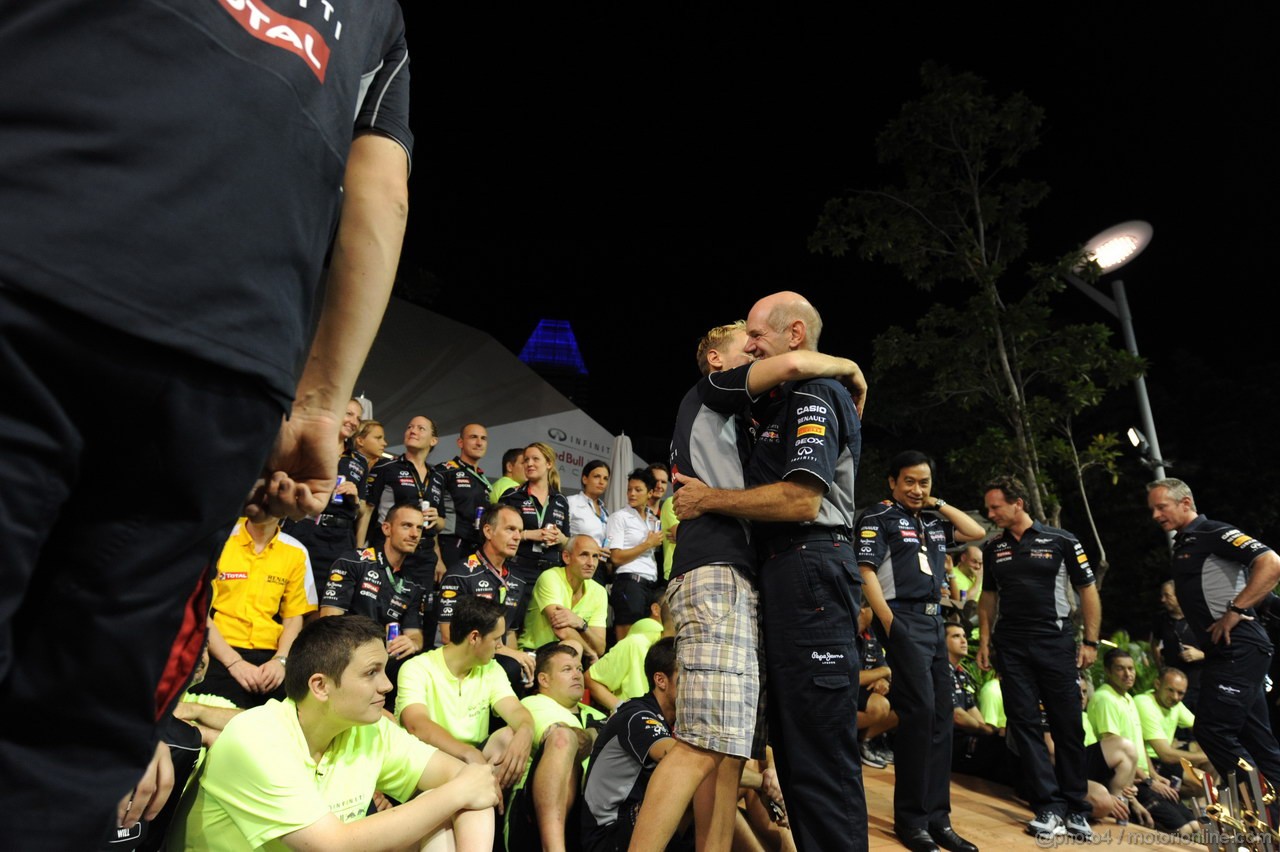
(725,392)
(1106,718)
(296,600)
(594,606)
(609,670)
(413,685)
(548,590)
(615,532)
(1238,547)
(341,586)
(404,759)
(644,730)
(1077,564)
(873,544)
(812,432)
(385,105)
(1152,726)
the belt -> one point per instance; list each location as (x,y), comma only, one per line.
(924,607)
(776,545)
(334,521)
(634,577)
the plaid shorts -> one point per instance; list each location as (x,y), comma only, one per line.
(720,700)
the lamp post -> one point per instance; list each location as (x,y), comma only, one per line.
(1112,249)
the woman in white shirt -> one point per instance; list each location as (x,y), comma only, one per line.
(587,515)
(633,533)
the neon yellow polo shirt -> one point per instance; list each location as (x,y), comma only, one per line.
(251,588)
(991,703)
(621,671)
(1159,723)
(259,781)
(1112,713)
(553,587)
(459,705)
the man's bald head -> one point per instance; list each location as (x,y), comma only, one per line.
(782,322)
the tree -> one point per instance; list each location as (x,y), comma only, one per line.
(958,217)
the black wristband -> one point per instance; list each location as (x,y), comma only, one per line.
(1237,610)
(1089,642)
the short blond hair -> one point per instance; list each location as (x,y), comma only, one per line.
(716,338)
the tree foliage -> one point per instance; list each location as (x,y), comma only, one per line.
(957,217)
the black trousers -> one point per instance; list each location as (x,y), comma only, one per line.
(921,697)
(1233,720)
(1036,670)
(125,465)
(810,595)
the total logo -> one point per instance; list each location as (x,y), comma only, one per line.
(296,36)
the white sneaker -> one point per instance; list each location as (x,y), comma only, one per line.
(1047,824)
(1077,825)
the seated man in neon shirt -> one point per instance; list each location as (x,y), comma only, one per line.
(567,603)
(541,807)
(300,773)
(444,697)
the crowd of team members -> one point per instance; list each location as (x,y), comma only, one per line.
(489,611)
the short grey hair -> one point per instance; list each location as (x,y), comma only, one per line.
(1176,487)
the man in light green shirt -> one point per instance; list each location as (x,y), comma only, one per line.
(619,674)
(567,603)
(300,773)
(1162,713)
(444,697)
(541,807)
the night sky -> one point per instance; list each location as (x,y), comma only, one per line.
(647,177)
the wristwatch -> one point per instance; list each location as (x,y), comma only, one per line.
(938,502)
(282,660)
(1237,610)
(1090,642)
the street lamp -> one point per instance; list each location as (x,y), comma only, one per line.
(1112,249)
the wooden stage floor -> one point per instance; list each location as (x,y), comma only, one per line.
(987,814)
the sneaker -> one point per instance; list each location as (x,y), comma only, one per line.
(884,750)
(1047,824)
(1077,825)
(870,757)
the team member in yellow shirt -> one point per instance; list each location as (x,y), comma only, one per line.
(263,589)
(300,773)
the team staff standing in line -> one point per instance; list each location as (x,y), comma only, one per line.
(1220,574)
(902,545)
(407,479)
(465,489)
(800,492)
(1028,567)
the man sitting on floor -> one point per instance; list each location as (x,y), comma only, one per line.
(300,773)
(445,695)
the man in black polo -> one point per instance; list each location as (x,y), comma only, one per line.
(902,545)
(407,479)
(800,492)
(167,211)
(1221,574)
(632,744)
(465,490)
(373,583)
(484,573)
(712,595)
(1029,567)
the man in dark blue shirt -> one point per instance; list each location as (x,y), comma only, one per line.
(902,546)
(1220,574)
(799,492)
(1029,567)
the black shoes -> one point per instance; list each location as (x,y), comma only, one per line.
(917,840)
(947,838)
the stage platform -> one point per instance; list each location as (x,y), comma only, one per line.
(990,816)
